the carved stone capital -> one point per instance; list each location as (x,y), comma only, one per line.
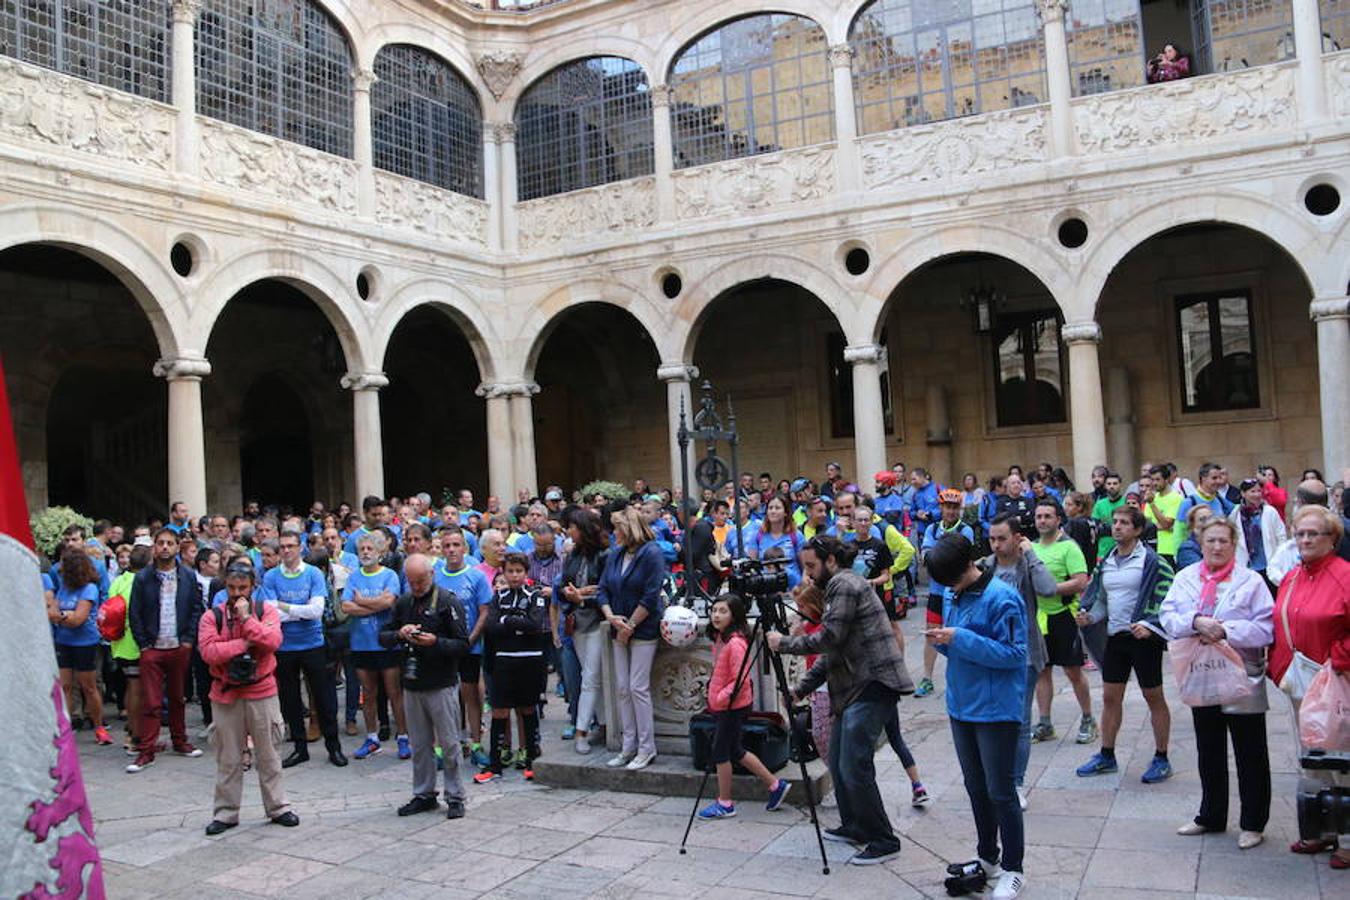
(502,132)
(1327,308)
(186,11)
(865,353)
(498,68)
(660,94)
(495,390)
(1081,333)
(1052,10)
(363,80)
(669,372)
(182,368)
(364,381)
(841,56)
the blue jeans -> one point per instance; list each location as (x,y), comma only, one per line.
(1024,735)
(570,672)
(986,751)
(861,811)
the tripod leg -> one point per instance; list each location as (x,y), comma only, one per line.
(781,678)
(702,786)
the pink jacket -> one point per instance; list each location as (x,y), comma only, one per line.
(728,657)
(260,637)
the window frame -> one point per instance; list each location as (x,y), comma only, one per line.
(1025,319)
(1211,298)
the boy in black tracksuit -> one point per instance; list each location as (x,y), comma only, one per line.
(517,633)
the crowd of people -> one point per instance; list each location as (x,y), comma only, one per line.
(435,617)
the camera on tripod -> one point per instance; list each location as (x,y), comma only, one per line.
(1323,809)
(758,578)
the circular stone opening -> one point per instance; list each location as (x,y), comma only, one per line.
(1073,233)
(671,285)
(180,257)
(1322,199)
(857,261)
(363,286)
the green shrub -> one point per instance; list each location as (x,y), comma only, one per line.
(612,490)
(49,524)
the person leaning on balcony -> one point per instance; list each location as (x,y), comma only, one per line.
(1169,65)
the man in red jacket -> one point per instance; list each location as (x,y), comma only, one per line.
(238,641)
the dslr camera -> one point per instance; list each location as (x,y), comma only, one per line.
(242,669)
(758,578)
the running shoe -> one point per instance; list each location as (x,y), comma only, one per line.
(1087,730)
(487,776)
(404,747)
(528,774)
(519,760)
(921,797)
(1043,731)
(780,790)
(641,761)
(101,736)
(369,747)
(1158,770)
(715,810)
(925,687)
(187,750)
(569,732)
(478,756)
(1010,885)
(142,761)
(839,835)
(1100,764)
(871,855)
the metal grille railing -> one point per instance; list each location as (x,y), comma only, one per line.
(426,120)
(123,44)
(755,85)
(917,61)
(585,123)
(282,67)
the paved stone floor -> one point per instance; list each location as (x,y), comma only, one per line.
(1102,837)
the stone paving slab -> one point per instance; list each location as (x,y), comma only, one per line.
(1108,836)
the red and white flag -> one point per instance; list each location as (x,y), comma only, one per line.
(47,845)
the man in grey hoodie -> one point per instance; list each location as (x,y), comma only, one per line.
(1015,562)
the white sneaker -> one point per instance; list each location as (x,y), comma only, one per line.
(641,761)
(1022,798)
(1009,886)
(621,760)
(583,746)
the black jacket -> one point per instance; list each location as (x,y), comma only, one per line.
(517,622)
(439,612)
(143,607)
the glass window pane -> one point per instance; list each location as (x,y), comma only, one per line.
(1028,369)
(1218,352)
(775,64)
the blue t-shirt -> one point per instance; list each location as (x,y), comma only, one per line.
(471,586)
(87,634)
(365,630)
(297,589)
(99,568)
(891,508)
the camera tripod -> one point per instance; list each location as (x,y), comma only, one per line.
(799,732)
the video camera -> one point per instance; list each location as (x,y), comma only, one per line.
(758,578)
(1322,808)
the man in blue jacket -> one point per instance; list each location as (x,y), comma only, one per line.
(162,613)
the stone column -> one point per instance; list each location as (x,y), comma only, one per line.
(1120,423)
(367,442)
(506,139)
(492,187)
(187,443)
(363,142)
(1057,76)
(869,425)
(1087,413)
(501,471)
(847,160)
(1312,99)
(524,462)
(677,376)
(664,153)
(1331,313)
(185,88)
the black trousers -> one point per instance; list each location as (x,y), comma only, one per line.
(1248,733)
(314,664)
(201,677)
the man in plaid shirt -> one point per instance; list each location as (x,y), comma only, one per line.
(861,663)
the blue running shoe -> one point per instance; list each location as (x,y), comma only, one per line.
(925,687)
(478,756)
(1158,770)
(369,747)
(715,810)
(569,732)
(404,747)
(1098,765)
(780,790)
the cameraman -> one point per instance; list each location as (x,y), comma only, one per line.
(238,641)
(861,663)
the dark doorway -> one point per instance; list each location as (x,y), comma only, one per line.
(276,455)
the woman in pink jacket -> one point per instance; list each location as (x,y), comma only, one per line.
(729,699)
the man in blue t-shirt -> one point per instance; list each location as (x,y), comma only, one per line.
(368,600)
(469,584)
(300,592)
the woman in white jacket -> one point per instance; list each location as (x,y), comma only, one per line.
(1218,600)
(1260,529)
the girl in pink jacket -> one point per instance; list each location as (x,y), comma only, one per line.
(729,698)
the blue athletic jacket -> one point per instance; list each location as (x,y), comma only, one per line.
(987,658)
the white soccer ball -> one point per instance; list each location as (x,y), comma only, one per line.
(679,626)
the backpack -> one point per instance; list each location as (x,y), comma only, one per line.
(218,614)
(112,618)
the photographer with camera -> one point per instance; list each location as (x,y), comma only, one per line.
(238,640)
(861,663)
(984,637)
